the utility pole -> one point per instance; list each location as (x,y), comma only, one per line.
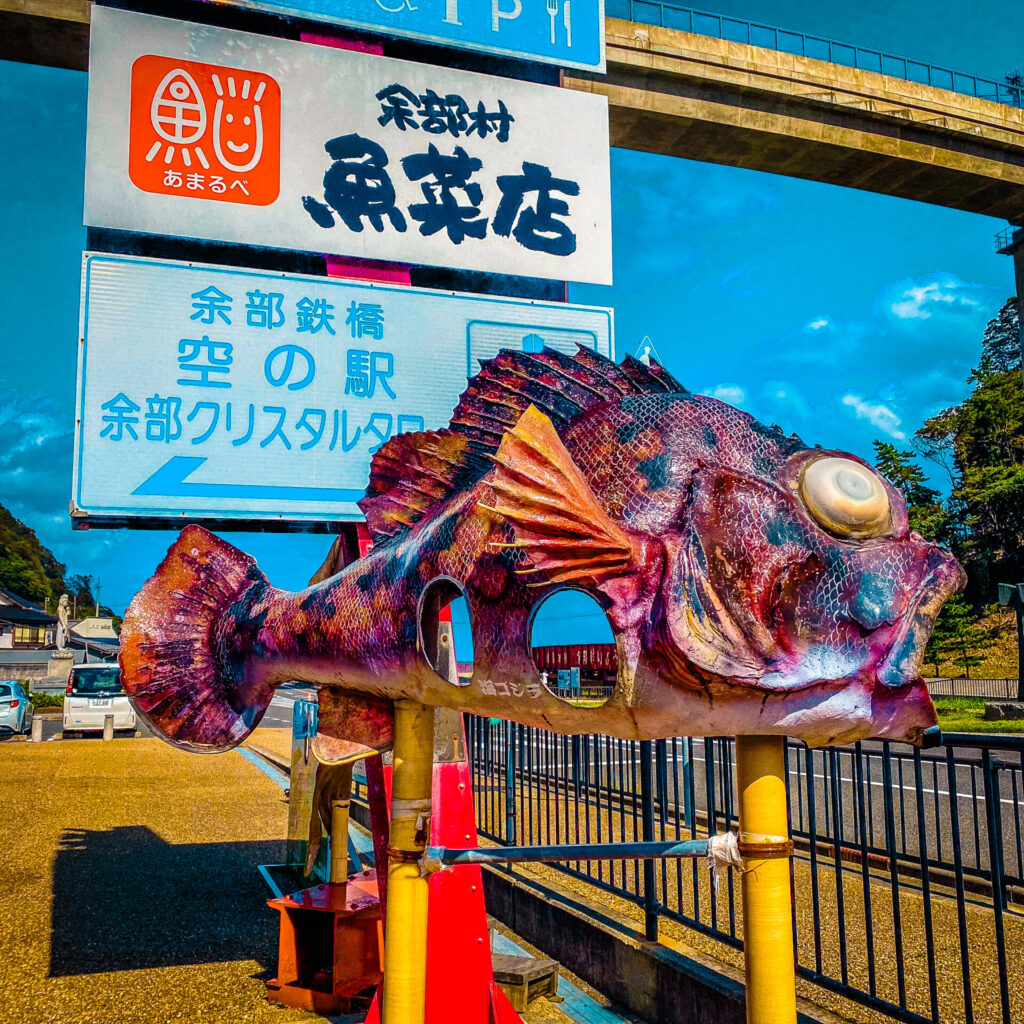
(1011,595)
(98,585)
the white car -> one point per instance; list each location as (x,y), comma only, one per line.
(93,692)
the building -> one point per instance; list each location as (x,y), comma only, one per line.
(24,625)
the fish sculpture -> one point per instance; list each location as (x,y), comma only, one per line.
(753,584)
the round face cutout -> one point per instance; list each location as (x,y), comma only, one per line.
(845,497)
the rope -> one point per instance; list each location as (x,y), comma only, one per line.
(723,852)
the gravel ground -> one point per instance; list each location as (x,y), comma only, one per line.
(273,743)
(131,892)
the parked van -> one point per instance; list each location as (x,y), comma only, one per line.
(93,692)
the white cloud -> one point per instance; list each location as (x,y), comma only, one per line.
(876,413)
(731,393)
(918,301)
(817,325)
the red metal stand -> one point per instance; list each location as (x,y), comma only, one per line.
(331,945)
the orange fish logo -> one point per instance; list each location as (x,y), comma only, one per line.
(205,131)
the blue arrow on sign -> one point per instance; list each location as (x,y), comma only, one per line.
(171,481)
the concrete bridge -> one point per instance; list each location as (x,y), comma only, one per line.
(694,96)
(690,95)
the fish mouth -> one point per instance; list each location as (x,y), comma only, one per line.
(902,665)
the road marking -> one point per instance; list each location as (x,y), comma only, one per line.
(627,765)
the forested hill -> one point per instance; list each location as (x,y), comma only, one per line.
(26,567)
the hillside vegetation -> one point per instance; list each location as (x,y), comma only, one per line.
(26,566)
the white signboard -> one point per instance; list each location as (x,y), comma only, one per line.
(216,393)
(209,133)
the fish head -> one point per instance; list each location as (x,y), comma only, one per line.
(784,566)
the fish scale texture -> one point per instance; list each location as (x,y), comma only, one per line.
(739,603)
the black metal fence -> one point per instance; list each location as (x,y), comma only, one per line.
(997,689)
(909,867)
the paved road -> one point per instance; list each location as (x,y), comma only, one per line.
(279,714)
(833,774)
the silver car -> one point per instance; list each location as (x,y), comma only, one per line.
(93,692)
(16,710)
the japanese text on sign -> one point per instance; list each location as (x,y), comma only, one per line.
(263,395)
(271,142)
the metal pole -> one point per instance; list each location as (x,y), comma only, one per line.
(510,784)
(436,858)
(647,822)
(338,871)
(405,933)
(767,894)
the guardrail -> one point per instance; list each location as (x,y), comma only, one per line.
(998,689)
(738,30)
(908,869)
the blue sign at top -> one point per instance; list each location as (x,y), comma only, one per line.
(569,33)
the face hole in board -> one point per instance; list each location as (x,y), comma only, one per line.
(446,631)
(573,648)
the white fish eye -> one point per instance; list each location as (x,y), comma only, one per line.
(845,497)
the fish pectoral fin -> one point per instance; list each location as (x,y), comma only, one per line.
(536,486)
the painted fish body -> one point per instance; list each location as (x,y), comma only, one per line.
(753,584)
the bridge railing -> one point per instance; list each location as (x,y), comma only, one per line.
(737,30)
(909,871)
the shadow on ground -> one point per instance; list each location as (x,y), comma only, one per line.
(125,899)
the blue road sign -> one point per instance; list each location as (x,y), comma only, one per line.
(569,33)
(217,393)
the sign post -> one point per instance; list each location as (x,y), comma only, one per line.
(238,397)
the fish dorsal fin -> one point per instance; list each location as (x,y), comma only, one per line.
(561,386)
(542,494)
(412,473)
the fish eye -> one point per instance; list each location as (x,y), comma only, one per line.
(845,497)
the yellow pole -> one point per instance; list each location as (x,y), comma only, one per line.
(405,931)
(767,897)
(339,826)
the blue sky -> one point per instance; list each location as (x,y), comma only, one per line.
(841,315)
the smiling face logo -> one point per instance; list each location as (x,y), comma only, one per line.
(203,131)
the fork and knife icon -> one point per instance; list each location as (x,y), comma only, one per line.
(566,20)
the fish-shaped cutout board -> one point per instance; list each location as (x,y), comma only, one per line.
(753,584)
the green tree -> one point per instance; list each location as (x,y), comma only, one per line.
(1000,344)
(957,637)
(926,512)
(80,591)
(26,567)
(981,444)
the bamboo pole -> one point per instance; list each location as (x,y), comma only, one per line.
(339,826)
(405,932)
(767,892)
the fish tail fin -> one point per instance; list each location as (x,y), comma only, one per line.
(183,645)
